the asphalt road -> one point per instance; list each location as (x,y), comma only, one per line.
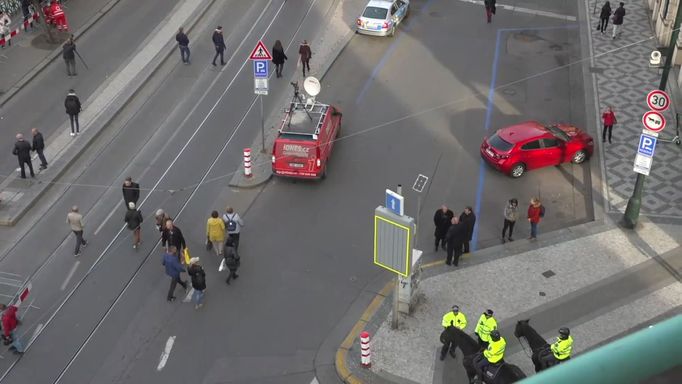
(417,103)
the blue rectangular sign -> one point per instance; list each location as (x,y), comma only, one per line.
(646,146)
(395,202)
(260,68)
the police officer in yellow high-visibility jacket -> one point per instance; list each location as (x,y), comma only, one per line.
(486,323)
(493,354)
(561,349)
(452,318)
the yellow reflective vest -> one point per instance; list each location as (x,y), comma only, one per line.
(495,350)
(484,326)
(458,320)
(562,348)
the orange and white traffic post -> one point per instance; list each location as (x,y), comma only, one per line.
(247,162)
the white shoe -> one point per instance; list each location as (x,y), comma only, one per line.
(72,134)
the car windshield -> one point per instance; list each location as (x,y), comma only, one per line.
(496,142)
(375,13)
(558,133)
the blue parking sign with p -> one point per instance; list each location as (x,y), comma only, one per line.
(260,68)
(647,144)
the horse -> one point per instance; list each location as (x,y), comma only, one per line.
(502,374)
(538,345)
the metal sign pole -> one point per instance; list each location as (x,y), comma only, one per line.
(396,290)
(262,124)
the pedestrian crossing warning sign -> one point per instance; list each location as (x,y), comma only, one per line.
(260,52)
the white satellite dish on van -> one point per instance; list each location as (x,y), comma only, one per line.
(312,86)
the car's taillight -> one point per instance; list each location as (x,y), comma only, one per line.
(318,163)
(358,22)
(273,159)
(385,26)
(502,156)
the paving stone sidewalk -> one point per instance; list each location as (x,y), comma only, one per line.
(621,72)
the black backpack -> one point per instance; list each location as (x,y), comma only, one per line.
(231,225)
(542,211)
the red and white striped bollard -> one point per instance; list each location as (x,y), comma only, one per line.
(364,346)
(247,162)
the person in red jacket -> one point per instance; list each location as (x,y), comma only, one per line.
(535,212)
(58,16)
(9,324)
(609,119)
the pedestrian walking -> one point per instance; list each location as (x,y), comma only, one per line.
(442,220)
(510,215)
(455,241)
(172,237)
(604,17)
(183,45)
(536,211)
(22,150)
(69,55)
(219,43)
(609,119)
(215,233)
(5,31)
(618,16)
(161,218)
(39,146)
(490,9)
(26,11)
(9,325)
(134,219)
(233,225)
(232,260)
(131,191)
(305,53)
(468,218)
(452,318)
(73,107)
(75,220)
(278,57)
(198,277)
(173,269)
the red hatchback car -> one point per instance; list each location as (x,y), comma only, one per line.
(514,150)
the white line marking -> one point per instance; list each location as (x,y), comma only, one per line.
(39,327)
(189,296)
(314,381)
(514,8)
(70,275)
(166,353)
(107,218)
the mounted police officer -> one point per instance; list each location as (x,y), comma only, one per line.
(486,324)
(493,354)
(452,318)
(561,349)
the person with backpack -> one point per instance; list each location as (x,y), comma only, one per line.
(536,211)
(134,219)
(233,225)
(232,260)
(198,276)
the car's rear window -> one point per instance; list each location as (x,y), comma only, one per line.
(496,142)
(375,13)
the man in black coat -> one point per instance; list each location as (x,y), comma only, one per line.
(219,43)
(22,149)
(468,219)
(73,107)
(441,219)
(131,191)
(69,55)
(183,44)
(455,237)
(39,147)
(172,236)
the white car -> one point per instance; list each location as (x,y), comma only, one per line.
(381,17)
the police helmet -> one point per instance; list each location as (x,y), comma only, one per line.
(564,332)
(488,312)
(455,308)
(495,335)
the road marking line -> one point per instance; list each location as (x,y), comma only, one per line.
(11,282)
(39,327)
(166,353)
(537,12)
(70,275)
(106,219)
(189,296)
(314,381)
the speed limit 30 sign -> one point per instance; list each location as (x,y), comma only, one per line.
(658,100)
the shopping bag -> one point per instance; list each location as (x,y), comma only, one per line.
(209,244)
(186,254)
(222,266)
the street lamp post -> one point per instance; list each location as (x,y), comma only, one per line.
(635,201)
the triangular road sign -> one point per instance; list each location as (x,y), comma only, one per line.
(260,52)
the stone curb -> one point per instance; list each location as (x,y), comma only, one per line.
(72,151)
(11,91)
(261,162)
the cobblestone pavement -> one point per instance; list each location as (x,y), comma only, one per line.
(623,77)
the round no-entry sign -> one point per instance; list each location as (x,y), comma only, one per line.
(653,121)
(658,100)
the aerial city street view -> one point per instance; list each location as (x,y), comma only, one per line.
(340,191)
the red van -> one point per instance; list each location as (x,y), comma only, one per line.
(305,141)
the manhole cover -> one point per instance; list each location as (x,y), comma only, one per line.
(548,273)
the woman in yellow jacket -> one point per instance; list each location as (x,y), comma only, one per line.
(215,232)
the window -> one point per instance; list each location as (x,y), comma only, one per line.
(394,8)
(550,143)
(496,142)
(375,13)
(531,145)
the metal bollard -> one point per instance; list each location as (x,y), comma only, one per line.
(364,346)
(247,162)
